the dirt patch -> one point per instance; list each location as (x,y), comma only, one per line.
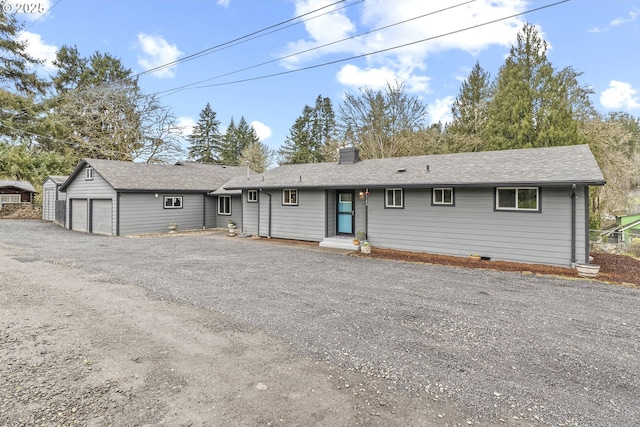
(618,269)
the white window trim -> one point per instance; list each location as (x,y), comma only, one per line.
(252,199)
(442,189)
(88,173)
(516,208)
(10,198)
(395,205)
(228,204)
(289,190)
(173,201)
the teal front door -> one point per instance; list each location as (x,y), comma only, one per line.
(346,213)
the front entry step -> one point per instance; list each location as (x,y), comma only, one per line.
(339,242)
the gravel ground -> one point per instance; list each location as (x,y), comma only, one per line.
(501,347)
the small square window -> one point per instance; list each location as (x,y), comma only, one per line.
(290,197)
(224,205)
(173,202)
(393,198)
(442,196)
(252,196)
(88,174)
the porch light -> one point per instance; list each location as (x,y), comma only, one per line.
(361,194)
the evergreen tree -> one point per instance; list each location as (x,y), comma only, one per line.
(533,105)
(310,134)
(469,109)
(20,89)
(206,140)
(236,139)
(96,109)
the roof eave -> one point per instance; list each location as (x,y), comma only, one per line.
(422,184)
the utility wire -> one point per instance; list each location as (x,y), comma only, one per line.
(180,88)
(324,64)
(43,15)
(242,39)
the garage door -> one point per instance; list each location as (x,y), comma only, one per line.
(101,217)
(79,215)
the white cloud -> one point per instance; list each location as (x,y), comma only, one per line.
(620,95)
(421,38)
(39,50)
(185,125)
(378,78)
(263,131)
(633,15)
(156,51)
(440,110)
(224,3)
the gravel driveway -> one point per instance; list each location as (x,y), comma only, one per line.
(501,346)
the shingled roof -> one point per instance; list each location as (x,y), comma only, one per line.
(58,179)
(184,176)
(553,166)
(20,185)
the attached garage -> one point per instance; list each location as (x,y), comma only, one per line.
(101,216)
(79,217)
(117,198)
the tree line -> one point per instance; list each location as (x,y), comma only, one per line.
(92,107)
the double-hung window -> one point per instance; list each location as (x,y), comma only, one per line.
(442,196)
(252,196)
(224,205)
(518,199)
(290,197)
(173,202)
(88,173)
(393,198)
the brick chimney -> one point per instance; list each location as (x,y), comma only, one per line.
(349,155)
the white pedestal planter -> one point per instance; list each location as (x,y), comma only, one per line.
(587,270)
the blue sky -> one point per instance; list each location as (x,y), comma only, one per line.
(599,38)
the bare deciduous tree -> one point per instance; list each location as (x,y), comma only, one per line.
(381,123)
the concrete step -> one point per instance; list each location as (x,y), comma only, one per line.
(339,242)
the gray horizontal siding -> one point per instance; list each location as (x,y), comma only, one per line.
(472,226)
(306,221)
(210,208)
(145,213)
(250,214)
(222,221)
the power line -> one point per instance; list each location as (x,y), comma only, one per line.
(43,15)
(324,64)
(180,88)
(244,38)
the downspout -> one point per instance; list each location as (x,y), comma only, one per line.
(118,214)
(269,223)
(587,243)
(204,211)
(366,213)
(573,225)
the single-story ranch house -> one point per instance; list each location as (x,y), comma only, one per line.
(528,205)
(123,198)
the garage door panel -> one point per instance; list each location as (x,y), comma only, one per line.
(101,218)
(79,215)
